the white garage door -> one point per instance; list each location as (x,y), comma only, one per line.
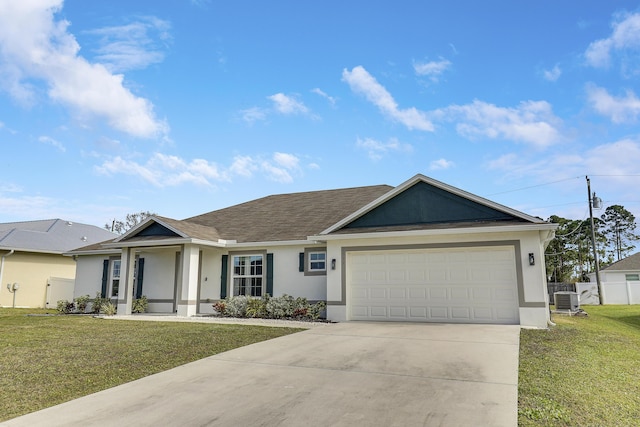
(465,285)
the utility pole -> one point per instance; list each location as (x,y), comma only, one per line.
(592,200)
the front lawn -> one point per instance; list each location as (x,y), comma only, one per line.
(583,372)
(46,360)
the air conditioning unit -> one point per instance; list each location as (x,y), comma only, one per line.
(567,301)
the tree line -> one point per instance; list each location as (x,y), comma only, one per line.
(569,256)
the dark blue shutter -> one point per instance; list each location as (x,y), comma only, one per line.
(301,262)
(270,274)
(105,278)
(139,277)
(223,277)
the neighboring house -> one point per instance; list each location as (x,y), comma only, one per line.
(31,257)
(422,251)
(620,283)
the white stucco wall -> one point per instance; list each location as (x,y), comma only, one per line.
(289,280)
(159,273)
(89,275)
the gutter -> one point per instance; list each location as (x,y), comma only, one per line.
(11,252)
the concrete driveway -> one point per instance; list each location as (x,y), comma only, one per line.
(347,374)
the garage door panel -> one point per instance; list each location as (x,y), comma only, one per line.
(379,276)
(379,312)
(397,293)
(459,294)
(483,313)
(378,293)
(438,293)
(481,294)
(447,285)
(397,276)
(417,293)
(398,312)
(460,313)
(438,313)
(417,276)
(418,312)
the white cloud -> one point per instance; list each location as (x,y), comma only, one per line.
(253,114)
(617,160)
(440,164)
(318,91)
(553,74)
(377,149)
(36,47)
(287,104)
(162,170)
(130,46)
(531,122)
(26,207)
(50,141)
(279,167)
(432,69)
(243,166)
(285,160)
(625,35)
(363,83)
(620,110)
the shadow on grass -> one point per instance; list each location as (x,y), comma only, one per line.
(633,321)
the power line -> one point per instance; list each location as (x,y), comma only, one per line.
(560,180)
(534,186)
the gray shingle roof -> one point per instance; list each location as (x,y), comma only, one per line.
(51,236)
(629,263)
(286,216)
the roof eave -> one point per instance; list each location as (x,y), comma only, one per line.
(437,232)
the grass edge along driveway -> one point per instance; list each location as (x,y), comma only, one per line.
(47,360)
(582,372)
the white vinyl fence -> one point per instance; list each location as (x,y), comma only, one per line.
(59,289)
(612,293)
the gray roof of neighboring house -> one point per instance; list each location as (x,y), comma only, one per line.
(629,263)
(50,236)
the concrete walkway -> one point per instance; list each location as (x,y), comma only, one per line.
(346,374)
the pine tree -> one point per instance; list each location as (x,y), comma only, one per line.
(619,229)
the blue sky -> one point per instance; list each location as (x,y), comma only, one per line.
(182,107)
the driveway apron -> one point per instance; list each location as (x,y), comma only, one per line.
(346,374)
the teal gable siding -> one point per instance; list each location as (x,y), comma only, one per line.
(156,229)
(425,204)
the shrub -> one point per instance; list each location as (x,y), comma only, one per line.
(140,305)
(220,307)
(237,306)
(81,303)
(109,308)
(98,302)
(65,307)
(284,307)
(257,307)
(281,307)
(316,310)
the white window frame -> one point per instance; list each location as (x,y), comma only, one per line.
(311,261)
(115,275)
(251,276)
(632,277)
(308,262)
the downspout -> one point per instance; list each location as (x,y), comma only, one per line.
(2,263)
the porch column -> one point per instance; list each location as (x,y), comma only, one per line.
(125,290)
(188,286)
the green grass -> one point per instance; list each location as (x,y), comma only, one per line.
(46,360)
(583,372)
